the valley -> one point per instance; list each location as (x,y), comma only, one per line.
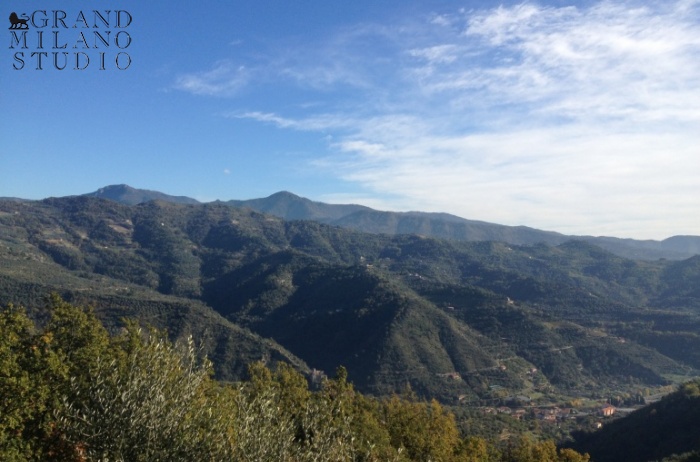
(464,322)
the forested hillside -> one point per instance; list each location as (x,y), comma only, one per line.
(668,430)
(289,206)
(71,392)
(457,321)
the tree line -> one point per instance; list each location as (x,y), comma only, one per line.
(70,391)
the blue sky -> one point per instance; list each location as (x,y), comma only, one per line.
(577,117)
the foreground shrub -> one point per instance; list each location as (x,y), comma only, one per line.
(69,392)
(156,403)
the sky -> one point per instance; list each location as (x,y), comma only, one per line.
(581,117)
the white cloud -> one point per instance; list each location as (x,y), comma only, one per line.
(566,180)
(321,122)
(577,119)
(436,54)
(224,79)
(613,60)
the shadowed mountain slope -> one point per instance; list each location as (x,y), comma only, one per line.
(453,319)
(670,427)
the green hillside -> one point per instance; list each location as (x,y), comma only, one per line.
(668,430)
(445,226)
(72,392)
(454,320)
(289,206)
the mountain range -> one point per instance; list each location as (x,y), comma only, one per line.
(439,225)
(457,320)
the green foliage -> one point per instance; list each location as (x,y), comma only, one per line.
(37,367)
(78,336)
(29,370)
(424,430)
(670,426)
(527,450)
(392,309)
(273,425)
(150,405)
(70,392)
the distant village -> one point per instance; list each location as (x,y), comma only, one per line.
(556,414)
(523,407)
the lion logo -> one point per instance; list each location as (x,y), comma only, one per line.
(18,23)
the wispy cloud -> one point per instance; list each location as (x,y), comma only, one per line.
(578,119)
(335,123)
(224,79)
(613,60)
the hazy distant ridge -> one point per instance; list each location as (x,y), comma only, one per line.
(289,206)
(442,225)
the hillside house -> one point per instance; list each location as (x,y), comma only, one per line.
(451,375)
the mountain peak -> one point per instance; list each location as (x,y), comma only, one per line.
(289,206)
(115,189)
(285,194)
(125,194)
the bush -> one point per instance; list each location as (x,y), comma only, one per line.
(154,404)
